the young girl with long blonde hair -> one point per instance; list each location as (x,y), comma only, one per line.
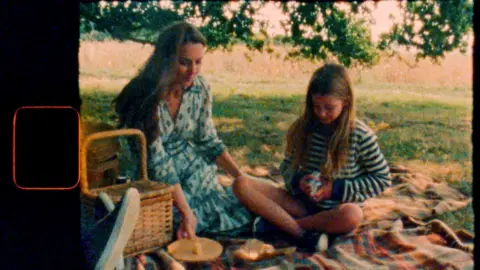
(329,147)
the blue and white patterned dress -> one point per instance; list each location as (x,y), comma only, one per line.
(185,153)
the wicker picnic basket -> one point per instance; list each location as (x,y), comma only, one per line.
(154,227)
(99,151)
(102,158)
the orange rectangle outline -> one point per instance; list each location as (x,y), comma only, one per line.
(14,156)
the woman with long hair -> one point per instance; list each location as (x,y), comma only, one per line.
(172,104)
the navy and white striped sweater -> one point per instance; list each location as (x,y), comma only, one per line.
(365,175)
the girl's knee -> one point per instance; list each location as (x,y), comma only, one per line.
(352,216)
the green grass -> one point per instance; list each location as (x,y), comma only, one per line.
(106,73)
(417,127)
(428,130)
(96,106)
(425,131)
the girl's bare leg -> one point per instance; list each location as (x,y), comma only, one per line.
(272,203)
(280,196)
(342,219)
(289,215)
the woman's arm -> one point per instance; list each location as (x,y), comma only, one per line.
(226,162)
(161,169)
(189,221)
(180,201)
(206,140)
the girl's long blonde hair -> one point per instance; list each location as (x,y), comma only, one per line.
(136,104)
(331,80)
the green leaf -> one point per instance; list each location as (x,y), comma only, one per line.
(314,30)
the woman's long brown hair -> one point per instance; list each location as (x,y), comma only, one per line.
(136,105)
(331,80)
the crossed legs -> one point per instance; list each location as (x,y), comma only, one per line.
(281,209)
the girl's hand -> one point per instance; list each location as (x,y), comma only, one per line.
(322,193)
(188,226)
(325,192)
(304,186)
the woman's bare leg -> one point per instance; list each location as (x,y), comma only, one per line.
(272,203)
(343,219)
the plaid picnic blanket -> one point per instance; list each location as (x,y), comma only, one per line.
(392,236)
(399,247)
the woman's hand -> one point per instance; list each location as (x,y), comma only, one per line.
(187,226)
(141,262)
(323,193)
(188,222)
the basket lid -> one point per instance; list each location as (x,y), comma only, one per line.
(100,150)
(147,189)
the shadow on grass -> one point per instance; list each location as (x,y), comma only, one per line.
(260,128)
(255,127)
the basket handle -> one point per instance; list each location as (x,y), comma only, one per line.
(87,141)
